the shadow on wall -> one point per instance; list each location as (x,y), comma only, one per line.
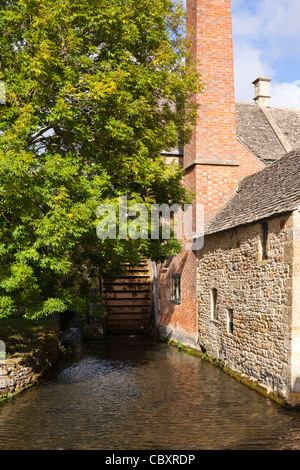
(180,313)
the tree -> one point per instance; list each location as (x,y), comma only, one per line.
(95,91)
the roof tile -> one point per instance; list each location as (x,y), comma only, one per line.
(271,191)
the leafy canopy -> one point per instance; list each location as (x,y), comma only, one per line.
(95,91)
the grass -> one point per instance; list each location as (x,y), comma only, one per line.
(23,336)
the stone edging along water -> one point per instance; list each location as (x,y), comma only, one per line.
(214,361)
(17,373)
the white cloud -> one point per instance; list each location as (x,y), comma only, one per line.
(286,95)
(265,33)
(248,65)
(280,19)
(269,20)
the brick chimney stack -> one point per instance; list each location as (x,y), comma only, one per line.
(210,159)
(214,160)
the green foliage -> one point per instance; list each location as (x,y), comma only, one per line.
(95,90)
(23,336)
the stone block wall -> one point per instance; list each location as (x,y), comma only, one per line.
(15,376)
(18,373)
(258,293)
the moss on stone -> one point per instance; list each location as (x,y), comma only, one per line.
(33,344)
(240,378)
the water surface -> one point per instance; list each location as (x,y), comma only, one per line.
(132,393)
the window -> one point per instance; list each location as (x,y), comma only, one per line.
(265,240)
(230,320)
(176,288)
(214,299)
(166,264)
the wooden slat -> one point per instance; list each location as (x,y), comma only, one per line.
(134,324)
(127,295)
(128,301)
(142,302)
(128,280)
(129,308)
(127,287)
(128,316)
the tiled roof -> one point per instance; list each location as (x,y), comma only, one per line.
(255,131)
(271,191)
(267,132)
(289,122)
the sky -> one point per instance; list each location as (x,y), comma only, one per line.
(266,43)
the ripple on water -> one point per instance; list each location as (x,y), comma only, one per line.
(141,394)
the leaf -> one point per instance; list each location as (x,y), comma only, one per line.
(95,91)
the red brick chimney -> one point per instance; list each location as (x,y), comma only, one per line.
(211,157)
(213,160)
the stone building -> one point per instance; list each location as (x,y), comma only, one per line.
(236,298)
(249,280)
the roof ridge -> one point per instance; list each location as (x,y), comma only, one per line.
(270,107)
(279,134)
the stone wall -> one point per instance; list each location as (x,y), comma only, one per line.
(258,292)
(17,373)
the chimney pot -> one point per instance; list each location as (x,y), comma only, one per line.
(262,91)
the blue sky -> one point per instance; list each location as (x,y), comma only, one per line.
(266,42)
(266,38)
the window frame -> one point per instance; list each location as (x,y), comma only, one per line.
(175,288)
(214,303)
(265,236)
(230,326)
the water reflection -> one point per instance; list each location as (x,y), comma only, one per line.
(136,393)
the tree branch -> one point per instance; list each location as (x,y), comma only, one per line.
(39,134)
